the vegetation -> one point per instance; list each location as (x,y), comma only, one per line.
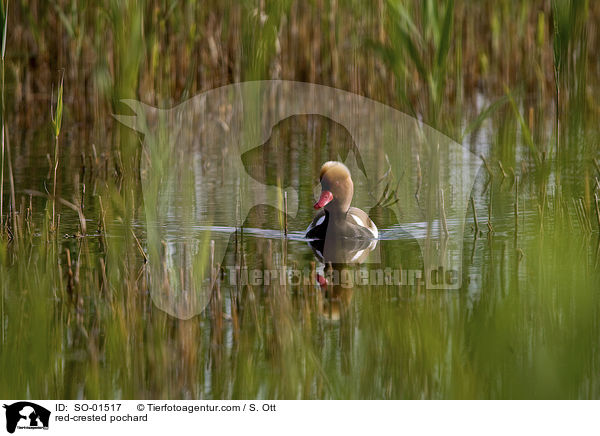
(515,82)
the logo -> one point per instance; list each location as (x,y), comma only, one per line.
(194,204)
(26,415)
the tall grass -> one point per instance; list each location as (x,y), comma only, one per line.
(4,21)
(56,116)
(419,46)
(527,328)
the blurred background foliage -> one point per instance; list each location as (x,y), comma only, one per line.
(430,58)
(515,82)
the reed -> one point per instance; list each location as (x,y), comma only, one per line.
(525,132)
(13,201)
(285,214)
(504,175)
(516,208)
(443,214)
(597,210)
(487,166)
(56,115)
(91,320)
(424,48)
(4,22)
(489,220)
(475,221)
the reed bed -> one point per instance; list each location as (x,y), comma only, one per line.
(515,83)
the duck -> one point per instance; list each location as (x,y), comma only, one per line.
(346,233)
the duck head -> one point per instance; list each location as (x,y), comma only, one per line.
(337,188)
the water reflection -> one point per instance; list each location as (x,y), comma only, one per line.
(345,245)
(207,163)
(360,335)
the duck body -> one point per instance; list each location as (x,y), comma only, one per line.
(355,224)
(340,233)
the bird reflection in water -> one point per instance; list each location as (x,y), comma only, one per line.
(340,236)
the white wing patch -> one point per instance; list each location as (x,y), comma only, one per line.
(318,223)
(358,220)
(357,255)
(370,225)
(373,229)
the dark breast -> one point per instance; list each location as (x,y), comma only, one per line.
(318,227)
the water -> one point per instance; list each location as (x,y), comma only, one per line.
(524,322)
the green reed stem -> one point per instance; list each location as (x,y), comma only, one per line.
(56,124)
(54,182)
(2,163)
(475,221)
(597,210)
(5,16)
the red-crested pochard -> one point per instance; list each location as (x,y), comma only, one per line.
(337,220)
